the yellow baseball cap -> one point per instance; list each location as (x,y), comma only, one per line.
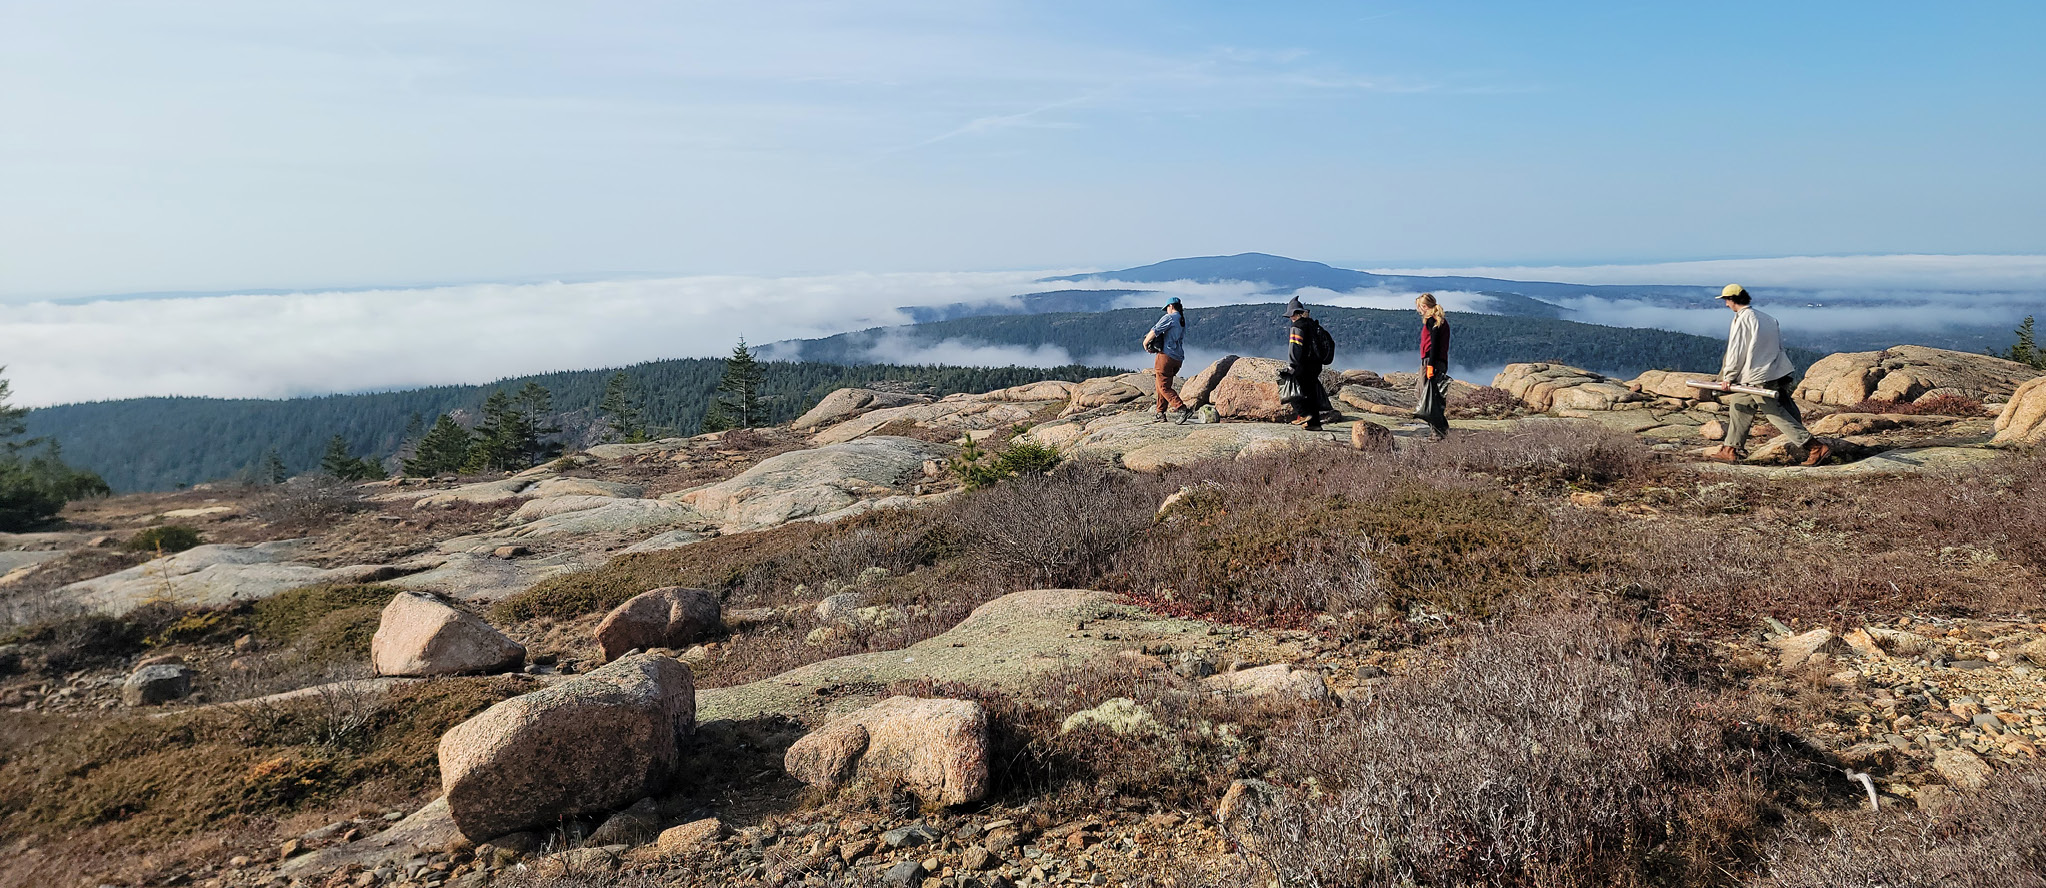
(1732,290)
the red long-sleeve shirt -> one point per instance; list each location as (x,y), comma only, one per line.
(1435,346)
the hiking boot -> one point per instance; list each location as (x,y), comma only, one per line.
(1185,415)
(1299,420)
(1724,454)
(1158,416)
(1816,453)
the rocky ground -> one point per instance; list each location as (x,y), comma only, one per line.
(835,653)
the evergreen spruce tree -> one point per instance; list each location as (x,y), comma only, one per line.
(11,425)
(270,468)
(737,404)
(623,409)
(341,465)
(2024,351)
(445,448)
(535,406)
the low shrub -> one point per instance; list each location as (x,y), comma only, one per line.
(84,640)
(154,779)
(977,469)
(164,539)
(1936,405)
(1060,529)
(1167,744)
(1560,750)
(1483,402)
(1543,451)
(765,563)
(1285,537)
(308,503)
(1985,839)
(323,621)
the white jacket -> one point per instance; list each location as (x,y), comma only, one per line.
(1754,350)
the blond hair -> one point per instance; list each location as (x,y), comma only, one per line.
(1430,309)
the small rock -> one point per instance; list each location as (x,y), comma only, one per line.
(690,836)
(1797,649)
(289,848)
(1243,802)
(855,849)
(511,551)
(977,858)
(1964,769)
(1370,437)
(155,685)
(911,836)
(1278,680)
(907,874)
(636,825)
(938,748)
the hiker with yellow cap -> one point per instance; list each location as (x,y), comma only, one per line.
(1755,358)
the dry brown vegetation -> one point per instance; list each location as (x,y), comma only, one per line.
(1561,719)
(136,780)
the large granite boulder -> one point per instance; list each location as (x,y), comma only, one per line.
(1108,391)
(847,403)
(670,617)
(812,484)
(1908,372)
(1047,390)
(592,743)
(479,576)
(1670,383)
(215,576)
(560,487)
(937,748)
(1247,388)
(422,635)
(573,515)
(2023,420)
(1559,387)
(953,417)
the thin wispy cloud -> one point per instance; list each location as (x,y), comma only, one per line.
(1925,272)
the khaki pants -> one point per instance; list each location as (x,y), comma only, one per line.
(1167,368)
(1740,410)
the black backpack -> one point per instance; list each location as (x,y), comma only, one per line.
(1324,345)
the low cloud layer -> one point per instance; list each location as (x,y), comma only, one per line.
(284,345)
(269,346)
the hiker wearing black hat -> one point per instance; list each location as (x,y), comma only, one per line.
(1309,348)
(1167,342)
(1755,357)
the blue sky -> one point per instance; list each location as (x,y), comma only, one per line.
(223,145)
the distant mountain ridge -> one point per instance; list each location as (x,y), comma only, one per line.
(1480,340)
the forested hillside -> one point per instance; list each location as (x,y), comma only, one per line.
(159,443)
(1480,340)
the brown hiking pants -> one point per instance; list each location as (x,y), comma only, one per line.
(1167,368)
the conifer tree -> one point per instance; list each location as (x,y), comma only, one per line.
(11,425)
(2024,351)
(444,448)
(535,405)
(737,404)
(623,409)
(341,465)
(270,468)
